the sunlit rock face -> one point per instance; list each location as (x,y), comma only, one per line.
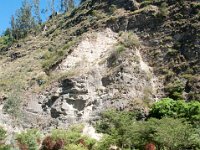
(101,79)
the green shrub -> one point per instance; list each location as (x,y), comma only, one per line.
(13,103)
(122,130)
(99,15)
(49,32)
(175,90)
(29,139)
(69,139)
(172,52)
(112,60)
(112,9)
(163,108)
(177,109)
(106,142)
(5,147)
(69,44)
(163,10)
(2,134)
(5,41)
(120,48)
(174,134)
(54,56)
(118,125)
(75,147)
(193,112)
(69,136)
(129,39)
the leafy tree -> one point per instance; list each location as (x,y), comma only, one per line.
(67,5)
(118,125)
(36,4)
(64,5)
(174,134)
(163,108)
(177,109)
(13,28)
(106,142)
(122,130)
(23,21)
(193,112)
(175,90)
(71,5)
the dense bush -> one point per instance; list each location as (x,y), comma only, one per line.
(175,90)
(122,130)
(171,125)
(177,109)
(29,140)
(176,134)
(70,139)
(118,126)
(23,21)
(5,42)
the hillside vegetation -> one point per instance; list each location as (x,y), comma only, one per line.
(128,68)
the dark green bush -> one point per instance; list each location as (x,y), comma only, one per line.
(118,127)
(122,130)
(175,90)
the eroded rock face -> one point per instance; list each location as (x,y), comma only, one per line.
(103,80)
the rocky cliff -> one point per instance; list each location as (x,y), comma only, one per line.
(119,54)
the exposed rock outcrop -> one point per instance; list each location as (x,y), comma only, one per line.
(102,79)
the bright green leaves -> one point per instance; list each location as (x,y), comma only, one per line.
(177,109)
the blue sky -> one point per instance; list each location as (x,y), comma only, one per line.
(8,8)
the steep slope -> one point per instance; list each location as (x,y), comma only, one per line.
(105,54)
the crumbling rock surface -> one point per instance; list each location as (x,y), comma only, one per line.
(98,82)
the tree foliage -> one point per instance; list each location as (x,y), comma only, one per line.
(23,21)
(67,5)
(166,133)
(177,109)
(36,5)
